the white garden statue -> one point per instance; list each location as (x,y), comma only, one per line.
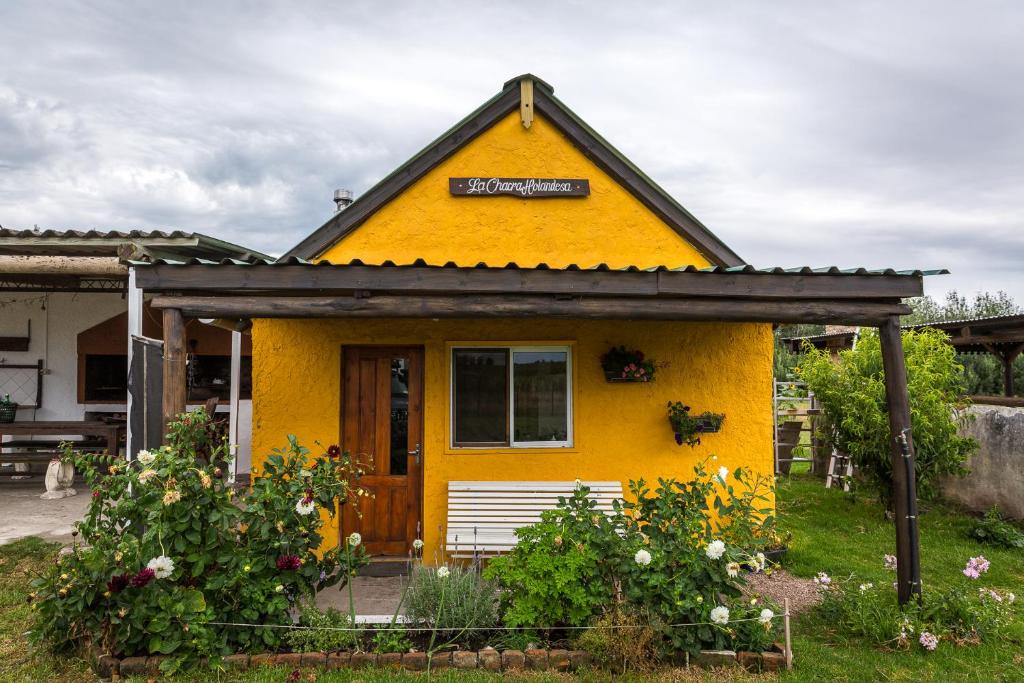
(60,474)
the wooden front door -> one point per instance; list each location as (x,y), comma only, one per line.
(382,427)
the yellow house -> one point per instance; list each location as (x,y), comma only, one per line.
(450,323)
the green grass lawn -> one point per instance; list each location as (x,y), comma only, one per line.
(832,532)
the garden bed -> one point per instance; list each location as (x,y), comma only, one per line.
(487,659)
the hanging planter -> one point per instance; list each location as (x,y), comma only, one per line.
(627,365)
(689,428)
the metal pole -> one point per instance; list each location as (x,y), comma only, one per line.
(135,299)
(789,640)
(235,389)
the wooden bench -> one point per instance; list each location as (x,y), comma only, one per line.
(484,515)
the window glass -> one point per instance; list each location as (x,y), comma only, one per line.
(480,396)
(540,396)
(399,416)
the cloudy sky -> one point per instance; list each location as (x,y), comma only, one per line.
(874,134)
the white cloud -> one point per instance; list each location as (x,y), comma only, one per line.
(802,132)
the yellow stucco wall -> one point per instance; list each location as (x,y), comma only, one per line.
(621,430)
(610,226)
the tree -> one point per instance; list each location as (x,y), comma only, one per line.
(958,307)
(851,390)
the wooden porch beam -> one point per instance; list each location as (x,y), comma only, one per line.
(497,306)
(908,563)
(291,280)
(174,380)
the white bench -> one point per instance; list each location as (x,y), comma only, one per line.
(484,515)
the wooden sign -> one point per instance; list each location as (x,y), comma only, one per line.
(519,187)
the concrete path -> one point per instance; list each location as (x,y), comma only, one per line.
(373,596)
(23,513)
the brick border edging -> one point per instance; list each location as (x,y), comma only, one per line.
(488,659)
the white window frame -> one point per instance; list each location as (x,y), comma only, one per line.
(512,349)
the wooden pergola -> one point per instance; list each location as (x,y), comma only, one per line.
(236,291)
(1002,336)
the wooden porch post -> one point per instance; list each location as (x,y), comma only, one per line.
(174,366)
(1008,357)
(908,570)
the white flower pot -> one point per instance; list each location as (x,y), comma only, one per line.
(59,477)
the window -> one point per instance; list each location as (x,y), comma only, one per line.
(517,397)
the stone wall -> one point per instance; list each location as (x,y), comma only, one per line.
(997,468)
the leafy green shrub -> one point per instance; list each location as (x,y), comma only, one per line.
(754,624)
(852,393)
(459,602)
(168,547)
(659,557)
(320,633)
(745,513)
(679,571)
(563,569)
(995,530)
(391,639)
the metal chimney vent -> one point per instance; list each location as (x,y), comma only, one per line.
(342,198)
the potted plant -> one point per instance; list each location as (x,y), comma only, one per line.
(8,409)
(688,428)
(627,365)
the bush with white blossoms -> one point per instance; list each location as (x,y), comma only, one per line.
(167,546)
(664,554)
(954,616)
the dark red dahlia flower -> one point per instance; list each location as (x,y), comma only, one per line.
(144,576)
(288,563)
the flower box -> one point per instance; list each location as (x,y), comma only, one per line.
(616,378)
(627,365)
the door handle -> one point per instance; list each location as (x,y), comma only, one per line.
(416,453)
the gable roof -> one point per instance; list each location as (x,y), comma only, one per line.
(592,145)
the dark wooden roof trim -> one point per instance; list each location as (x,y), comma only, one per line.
(307,280)
(534,306)
(592,145)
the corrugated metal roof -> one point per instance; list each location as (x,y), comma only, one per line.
(421,263)
(1016,319)
(97,234)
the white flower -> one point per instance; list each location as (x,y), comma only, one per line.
(305,474)
(171,496)
(715,550)
(146,475)
(279,588)
(354,539)
(720,615)
(766,616)
(723,474)
(304,508)
(823,580)
(732,569)
(146,458)
(642,557)
(442,572)
(579,483)
(162,566)
(417,544)
(866,587)
(1011,598)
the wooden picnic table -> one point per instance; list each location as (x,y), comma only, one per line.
(25,450)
